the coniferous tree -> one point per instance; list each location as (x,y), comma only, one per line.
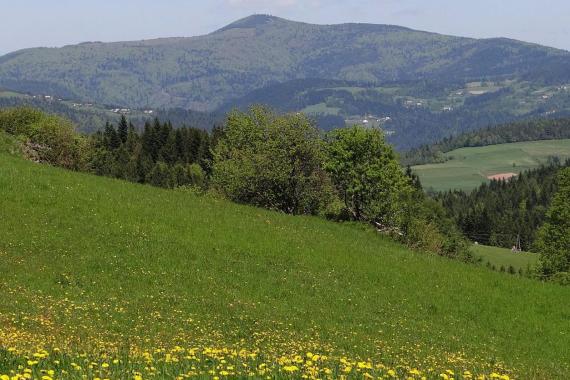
(132,142)
(504,213)
(169,151)
(181,143)
(111,138)
(123,129)
(149,141)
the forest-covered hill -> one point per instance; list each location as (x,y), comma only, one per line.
(205,72)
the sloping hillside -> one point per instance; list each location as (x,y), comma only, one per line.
(414,112)
(207,71)
(99,265)
(468,168)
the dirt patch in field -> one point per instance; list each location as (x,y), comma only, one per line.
(502,176)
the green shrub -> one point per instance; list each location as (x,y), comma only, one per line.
(9,144)
(46,138)
(272,161)
(367,176)
(562,278)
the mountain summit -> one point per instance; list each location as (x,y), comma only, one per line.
(253,22)
(204,72)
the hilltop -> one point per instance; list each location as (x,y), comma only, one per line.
(205,72)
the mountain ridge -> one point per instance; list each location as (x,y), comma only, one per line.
(204,72)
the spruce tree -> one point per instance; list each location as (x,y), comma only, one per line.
(123,129)
(133,141)
(149,141)
(110,137)
(169,151)
(180,144)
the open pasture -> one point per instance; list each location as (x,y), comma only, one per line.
(107,279)
(467,168)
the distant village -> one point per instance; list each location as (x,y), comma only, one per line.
(372,122)
(473,89)
(120,111)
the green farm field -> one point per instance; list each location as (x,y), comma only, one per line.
(505,257)
(467,168)
(107,279)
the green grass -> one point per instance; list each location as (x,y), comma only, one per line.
(469,167)
(88,261)
(505,257)
(10,94)
(321,108)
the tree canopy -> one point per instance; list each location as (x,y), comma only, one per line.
(272,161)
(367,175)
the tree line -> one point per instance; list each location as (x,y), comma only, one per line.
(284,163)
(530,212)
(540,129)
(505,213)
(159,155)
(277,161)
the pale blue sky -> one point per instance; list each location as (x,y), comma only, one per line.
(31,23)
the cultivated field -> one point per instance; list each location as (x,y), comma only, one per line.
(108,279)
(467,168)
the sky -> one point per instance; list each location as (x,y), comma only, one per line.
(33,23)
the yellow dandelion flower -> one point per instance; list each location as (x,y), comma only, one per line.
(291,368)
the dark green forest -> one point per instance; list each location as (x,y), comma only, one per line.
(159,155)
(505,213)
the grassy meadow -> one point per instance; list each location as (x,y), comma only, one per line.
(467,168)
(107,279)
(503,257)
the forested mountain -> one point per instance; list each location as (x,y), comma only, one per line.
(205,72)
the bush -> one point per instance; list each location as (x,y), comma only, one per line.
(424,236)
(272,161)
(561,278)
(367,176)
(421,212)
(46,138)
